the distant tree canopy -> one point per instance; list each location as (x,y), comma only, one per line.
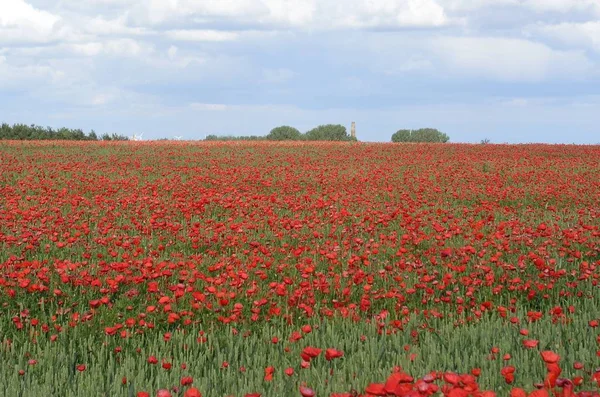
(327,132)
(284,133)
(114,137)
(420,135)
(23,132)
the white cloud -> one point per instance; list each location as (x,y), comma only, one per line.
(219,107)
(17,13)
(301,14)
(21,22)
(201,35)
(563,6)
(291,12)
(116,26)
(113,47)
(87,49)
(126,47)
(580,35)
(467,5)
(388,13)
(23,76)
(509,59)
(540,6)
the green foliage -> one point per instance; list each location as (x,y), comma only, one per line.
(114,137)
(284,133)
(23,132)
(401,136)
(420,135)
(328,132)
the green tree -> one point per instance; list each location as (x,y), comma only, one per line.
(401,136)
(420,135)
(118,137)
(284,133)
(36,132)
(328,132)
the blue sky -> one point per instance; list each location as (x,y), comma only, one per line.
(507,70)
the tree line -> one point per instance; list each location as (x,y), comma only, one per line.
(24,132)
(327,132)
(420,135)
(334,132)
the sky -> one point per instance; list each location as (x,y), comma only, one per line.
(513,71)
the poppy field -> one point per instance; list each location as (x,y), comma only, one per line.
(299,269)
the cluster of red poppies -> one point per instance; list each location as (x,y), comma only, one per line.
(401,384)
(151,238)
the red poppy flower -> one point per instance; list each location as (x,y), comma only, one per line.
(376,389)
(309,353)
(458,392)
(451,378)
(518,392)
(186,380)
(530,343)
(306,392)
(192,392)
(269,371)
(331,354)
(539,393)
(550,357)
(395,379)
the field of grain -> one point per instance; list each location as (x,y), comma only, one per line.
(299,269)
